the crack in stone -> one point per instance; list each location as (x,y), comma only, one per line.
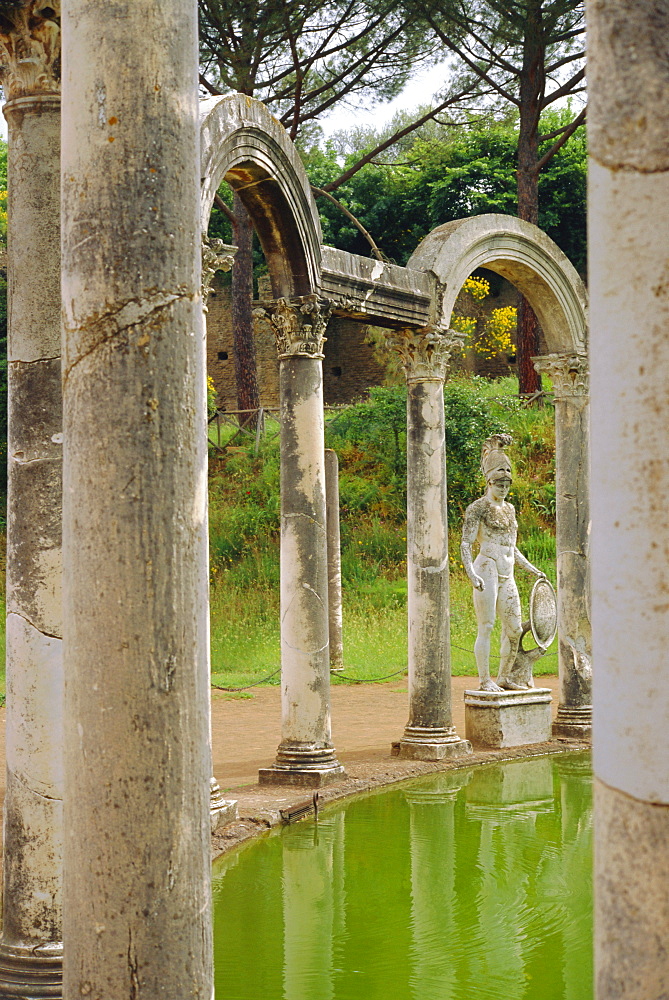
(305,652)
(318,597)
(22,780)
(33,361)
(35,461)
(631,798)
(433,569)
(627,168)
(47,635)
(131,314)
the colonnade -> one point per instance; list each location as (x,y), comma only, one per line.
(136,766)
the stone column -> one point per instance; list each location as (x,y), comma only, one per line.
(30,947)
(306,755)
(335,619)
(216,256)
(430,733)
(569,375)
(628,218)
(136,881)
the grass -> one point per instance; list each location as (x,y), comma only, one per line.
(245,527)
(244,532)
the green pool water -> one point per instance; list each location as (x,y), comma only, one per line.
(469,885)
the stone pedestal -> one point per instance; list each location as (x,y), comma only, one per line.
(430,733)
(508,718)
(306,755)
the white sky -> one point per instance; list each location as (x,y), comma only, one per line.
(419,90)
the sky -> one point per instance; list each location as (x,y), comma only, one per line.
(419,90)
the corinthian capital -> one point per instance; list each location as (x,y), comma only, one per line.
(216,256)
(30,48)
(568,372)
(299,324)
(424,353)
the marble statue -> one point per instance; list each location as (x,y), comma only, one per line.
(491,521)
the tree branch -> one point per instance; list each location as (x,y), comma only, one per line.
(209,87)
(320,193)
(219,203)
(395,137)
(567,134)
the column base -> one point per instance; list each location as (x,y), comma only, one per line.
(508,718)
(26,975)
(430,743)
(573,723)
(309,765)
(221,811)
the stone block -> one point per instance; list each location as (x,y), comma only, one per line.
(439,750)
(300,777)
(225,812)
(508,718)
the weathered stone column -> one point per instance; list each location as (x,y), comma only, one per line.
(335,618)
(306,755)
(430,733)
(30,948)
(569,375)
(628,218)
(136,892)
(216,256)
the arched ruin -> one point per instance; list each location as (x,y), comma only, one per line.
(159,692)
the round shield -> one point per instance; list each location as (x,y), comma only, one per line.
(543,612)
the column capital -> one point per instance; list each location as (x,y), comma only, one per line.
(424,352)
(30,48)
(299,324)
(216,256)
(568,372)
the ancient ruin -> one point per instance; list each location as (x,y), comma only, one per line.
(133,765)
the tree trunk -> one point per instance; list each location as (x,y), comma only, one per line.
(532,83)
(246,377)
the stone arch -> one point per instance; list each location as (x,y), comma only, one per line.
(243,144)
(524,255)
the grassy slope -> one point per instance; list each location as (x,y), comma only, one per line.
(244,517)
(244,547)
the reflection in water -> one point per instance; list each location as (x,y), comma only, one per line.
(472,883)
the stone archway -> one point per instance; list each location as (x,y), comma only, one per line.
(244,145)
(519,252)
(529,259)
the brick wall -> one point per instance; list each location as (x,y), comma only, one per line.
(349,368)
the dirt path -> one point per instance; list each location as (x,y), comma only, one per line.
(366,719)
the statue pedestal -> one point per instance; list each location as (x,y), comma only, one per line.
(508,718)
